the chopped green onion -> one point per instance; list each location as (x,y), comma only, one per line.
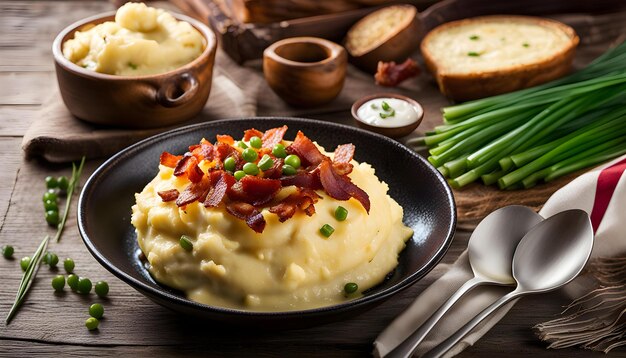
(327,230)
(386,106)
(473,54)
(474,37)
(185,243)
(341,213)
(525,44)
(387,115)
(241,144)
(373,106)
(266,162)
(350,288)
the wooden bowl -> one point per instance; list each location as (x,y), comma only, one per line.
(305,71)
(392,132)
(135,101)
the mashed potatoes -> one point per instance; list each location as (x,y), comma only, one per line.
(141,41)
(288,266)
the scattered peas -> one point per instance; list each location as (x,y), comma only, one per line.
(7,251)
(242,144)
(50,205)
(92,323)
(24,262)
(51,182)
(49,196)
(229,164)
(185,243)
(53,259)
(279,151)
(256,142)
(102,289)
(341,213)
(249,155)
(72,281)
(239,174)
(293,160)
(289,170)
(63,182)
(58,283)
(84,286)
(266,162)
(350,287)
(327,230)
(68,265)
(251,169)
(96,311)
(52,217)
(473,54)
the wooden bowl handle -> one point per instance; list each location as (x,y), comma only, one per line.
(178,91)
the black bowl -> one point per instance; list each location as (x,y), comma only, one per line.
(104,214)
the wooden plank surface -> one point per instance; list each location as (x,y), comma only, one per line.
(53,324)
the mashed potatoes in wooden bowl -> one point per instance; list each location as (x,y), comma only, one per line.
(265,224)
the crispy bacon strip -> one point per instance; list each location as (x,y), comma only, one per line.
(226,139)
(193,192)
(249,133)
(168,195)
(303,199)
(303,179)
(342,168)
(254,190)
(340,187)
(220,183)
(189,166)
(169,160)
(276,171)
(273,136)
(244,211)
(390,74)
(204,150)
(223,150)
(344,153)
(306,150)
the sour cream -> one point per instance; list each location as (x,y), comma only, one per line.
(388,112)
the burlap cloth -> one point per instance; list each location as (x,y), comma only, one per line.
(240,91)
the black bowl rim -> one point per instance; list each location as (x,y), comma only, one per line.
(164,295)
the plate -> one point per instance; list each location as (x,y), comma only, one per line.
(104,213)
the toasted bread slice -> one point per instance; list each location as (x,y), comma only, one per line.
(489,55)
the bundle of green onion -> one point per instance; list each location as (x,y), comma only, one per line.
(537,134)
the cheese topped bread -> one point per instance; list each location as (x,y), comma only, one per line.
(483,56)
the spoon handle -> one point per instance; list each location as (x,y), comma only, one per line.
(446,345)
(406,348)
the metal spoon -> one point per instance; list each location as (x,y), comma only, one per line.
(490,250)
(551,255)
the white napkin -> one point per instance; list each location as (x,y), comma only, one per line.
(601,192)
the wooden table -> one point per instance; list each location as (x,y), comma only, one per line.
(50,323)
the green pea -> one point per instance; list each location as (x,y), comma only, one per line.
(341,213)
(239,174)
(58,283)
(84,286)
(279,151)
(251,169)
(68,265)
(50,205)
(7,251)
(249,155)
(327,230)
(64,183)
(49,196)
(350,287)
(53,259)
(96,311)
(52,217)
(185,243)
(51,182)
(102,289)
(293,160)
(256,142)
(266,162)
(91,323)
(72,281)
(45,258)
(229,164)
(289,170)
(24,262)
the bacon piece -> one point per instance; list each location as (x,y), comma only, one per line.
(249,133)
(226,139)
(168,195)
(244,211)
(273,136)
(344,153)
(340,187)
(303,199)
(342,168)
(254,190)
(390,74)
(276,171)
(223,150)
(220,183)
(169,160)
(303,179)
(204,150)
(189,166)
(193,192)
(306,150)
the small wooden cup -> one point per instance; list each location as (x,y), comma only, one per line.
(305,71)
(392,132)
(135,101)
